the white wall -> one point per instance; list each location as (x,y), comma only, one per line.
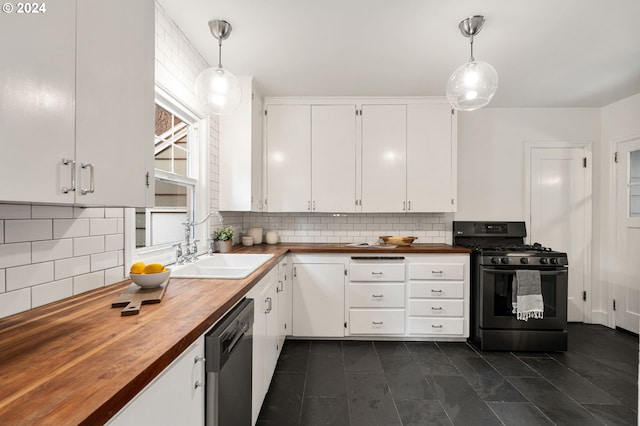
(491,154)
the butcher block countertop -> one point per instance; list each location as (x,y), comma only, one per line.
(78,361)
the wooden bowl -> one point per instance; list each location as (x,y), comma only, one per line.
(395,240)
(150,280)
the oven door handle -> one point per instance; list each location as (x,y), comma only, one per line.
(513,271)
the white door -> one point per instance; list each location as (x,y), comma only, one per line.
(627,281)
(288,158)
(333,158)
(560,204)
(384,150)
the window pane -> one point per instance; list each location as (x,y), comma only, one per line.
(171,143)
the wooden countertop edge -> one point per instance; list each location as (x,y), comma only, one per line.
(115,399)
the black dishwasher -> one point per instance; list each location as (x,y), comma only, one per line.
(228,352)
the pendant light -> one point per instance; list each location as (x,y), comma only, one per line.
(474,84)
(216,88)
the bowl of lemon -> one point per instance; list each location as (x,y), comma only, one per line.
(149,276)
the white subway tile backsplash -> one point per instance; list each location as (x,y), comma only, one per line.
(88,245)
(114,242)
(29,275)
(70,228)
(84,283)
(51,292)
(88,212)
(114,212)
(106,260)
(16,231)
(114,275)
(51,212)
(15,211)
(66,268)
(42,251)
(15,301)
(103,226)
(15,254)
(3,286)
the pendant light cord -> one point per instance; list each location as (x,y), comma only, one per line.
(220,53)
(471,42)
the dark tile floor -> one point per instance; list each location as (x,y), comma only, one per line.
(428,383)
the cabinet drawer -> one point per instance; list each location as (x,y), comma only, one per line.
(374,321)
(436,271)
(439,289)
(377,271)
(441,308)
(376,295)
(449,326)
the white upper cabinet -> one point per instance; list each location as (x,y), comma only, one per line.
(77,104)
(431,158)
(384,156)
(333,158)
(288,139)
(241,153)
(370,155)
(37,108)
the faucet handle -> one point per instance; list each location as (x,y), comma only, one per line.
(194,246)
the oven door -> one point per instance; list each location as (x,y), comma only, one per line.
(496,307)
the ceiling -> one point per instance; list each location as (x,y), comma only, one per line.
(548,53)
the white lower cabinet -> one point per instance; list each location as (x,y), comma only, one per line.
(285,300)
(318,296)
(376,321)
(438,287)
(266,346)
(175,397)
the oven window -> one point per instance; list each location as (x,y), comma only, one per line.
(503,286)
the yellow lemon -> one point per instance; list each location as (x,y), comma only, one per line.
(153,268)
(137,268)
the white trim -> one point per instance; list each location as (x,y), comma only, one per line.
(588,226)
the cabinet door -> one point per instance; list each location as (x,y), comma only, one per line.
(37,111)
(318,299)
(285,300)
(288,129)
(333,158)
(431,164)
(272,332)
(114,100)
(241,153)
(173,398)
(384,137)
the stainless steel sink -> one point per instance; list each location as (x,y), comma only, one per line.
(226,266)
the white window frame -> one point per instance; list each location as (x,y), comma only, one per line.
(198,165)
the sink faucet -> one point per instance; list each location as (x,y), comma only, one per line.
(187,251)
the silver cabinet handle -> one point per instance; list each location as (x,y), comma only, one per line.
(269,303)
(314,206)
(377,296)
(409,204)
(91,189)
(72,163)
(309,205)
(198,359)
(404,205)
(436,325)
(280,287)
(436,291)
(377,273)
(437,272)
(377,322)
(436,308)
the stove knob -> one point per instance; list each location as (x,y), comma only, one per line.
(495,260)
(544,260)
(524,260)
(554,260)
(504,260)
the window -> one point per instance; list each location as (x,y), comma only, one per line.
(176,174)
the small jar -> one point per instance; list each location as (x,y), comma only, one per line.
(272,237)
(247,241)
(256,233)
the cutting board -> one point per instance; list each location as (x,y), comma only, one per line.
(134,296)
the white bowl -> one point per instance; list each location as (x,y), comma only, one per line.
(150,280)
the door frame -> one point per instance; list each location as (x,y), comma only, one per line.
(613,276)
(587,147)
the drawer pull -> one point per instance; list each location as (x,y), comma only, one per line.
(436,308)
(436,272)
(377,296)
(438,326)
(376,273)
(436,291)
(377,322)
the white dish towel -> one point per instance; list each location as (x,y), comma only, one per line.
(526,295)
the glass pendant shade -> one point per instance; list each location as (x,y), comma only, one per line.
(219,91)
(472,86)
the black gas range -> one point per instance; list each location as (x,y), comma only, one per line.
(499,251)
